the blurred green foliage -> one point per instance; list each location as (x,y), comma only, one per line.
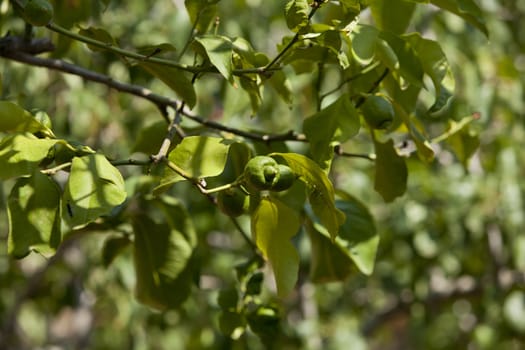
(449,268)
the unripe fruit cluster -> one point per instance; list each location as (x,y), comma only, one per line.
(264,173)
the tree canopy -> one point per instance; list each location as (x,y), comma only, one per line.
(241,174)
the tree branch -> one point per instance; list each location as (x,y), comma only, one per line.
(12,53)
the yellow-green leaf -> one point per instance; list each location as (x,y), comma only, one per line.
(273,226)
(319,189)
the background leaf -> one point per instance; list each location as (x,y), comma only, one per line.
(175,79)
(273,225)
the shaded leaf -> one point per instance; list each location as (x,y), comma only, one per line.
(332,125)
(356,243)
(410,69)
(14,118)
(34,216)
(202,13)
(163,264)
(273,225)
(319,189)
(174,78)
(20,154)
(392,15)
(390,172)
(435,65)
(112,247)
(93,189)
(219,50)
(328,263)
(364,41)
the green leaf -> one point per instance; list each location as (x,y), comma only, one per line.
(423,146)
(163,259)
(435,65)
(364,42)
(390,172)
(98,34)
(113,246)
(296,13)
(392,15)
(319,188)
(14,118)
(357,242)
(174,78)
(332,125)
(93,189)
(199,157)
(34,216)
(219,50)
(202,13)
(466,9)
(358,236)
(273,225)
(410,69)
(20,154)
(280,83)
(328,263)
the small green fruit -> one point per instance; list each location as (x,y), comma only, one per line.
(260,172)
(232,202)
(38,12)
(284,180)
(378,112)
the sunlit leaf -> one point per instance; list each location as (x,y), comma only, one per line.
(199,157)
(14,118)
(34,216)
(319,188)
(20,154)
(273,225)
(390,171)
(334,124)
(219,51)
(93,189)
